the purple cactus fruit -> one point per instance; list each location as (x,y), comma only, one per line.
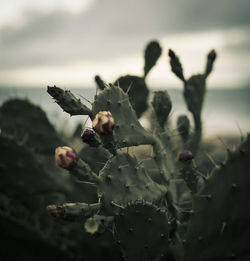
(186,156)
(103,123)
(212,55)
(88,136)
(66,157)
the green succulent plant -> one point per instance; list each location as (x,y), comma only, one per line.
(174,212)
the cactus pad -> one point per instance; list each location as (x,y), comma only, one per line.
(141,230)
(138,92)
(123,180)
(219,226)
(127,131)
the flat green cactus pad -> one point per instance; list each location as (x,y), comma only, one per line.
(141,230)
(68,101)
(151,54)
(124,180)
(138,92)
(94,157)
(219,227)
(128,131)
(194,92)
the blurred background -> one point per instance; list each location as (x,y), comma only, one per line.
(67,42)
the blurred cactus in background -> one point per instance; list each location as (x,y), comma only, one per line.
(194,93)
(136,86)
(174,211)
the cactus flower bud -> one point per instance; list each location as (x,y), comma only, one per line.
(183,127)
(212,55)
(103,122)
(88,135)
(186,156)
(66,157)
(210,61)
(162,106)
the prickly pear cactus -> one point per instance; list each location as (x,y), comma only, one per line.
(173,211)
(124,187)
(142,231)
(219,224)
(194,93)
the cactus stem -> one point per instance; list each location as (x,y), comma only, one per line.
(73,211)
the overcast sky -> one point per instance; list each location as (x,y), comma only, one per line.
(67,42)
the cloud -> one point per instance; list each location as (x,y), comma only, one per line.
(111,28)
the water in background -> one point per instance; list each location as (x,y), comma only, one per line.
(224,110)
